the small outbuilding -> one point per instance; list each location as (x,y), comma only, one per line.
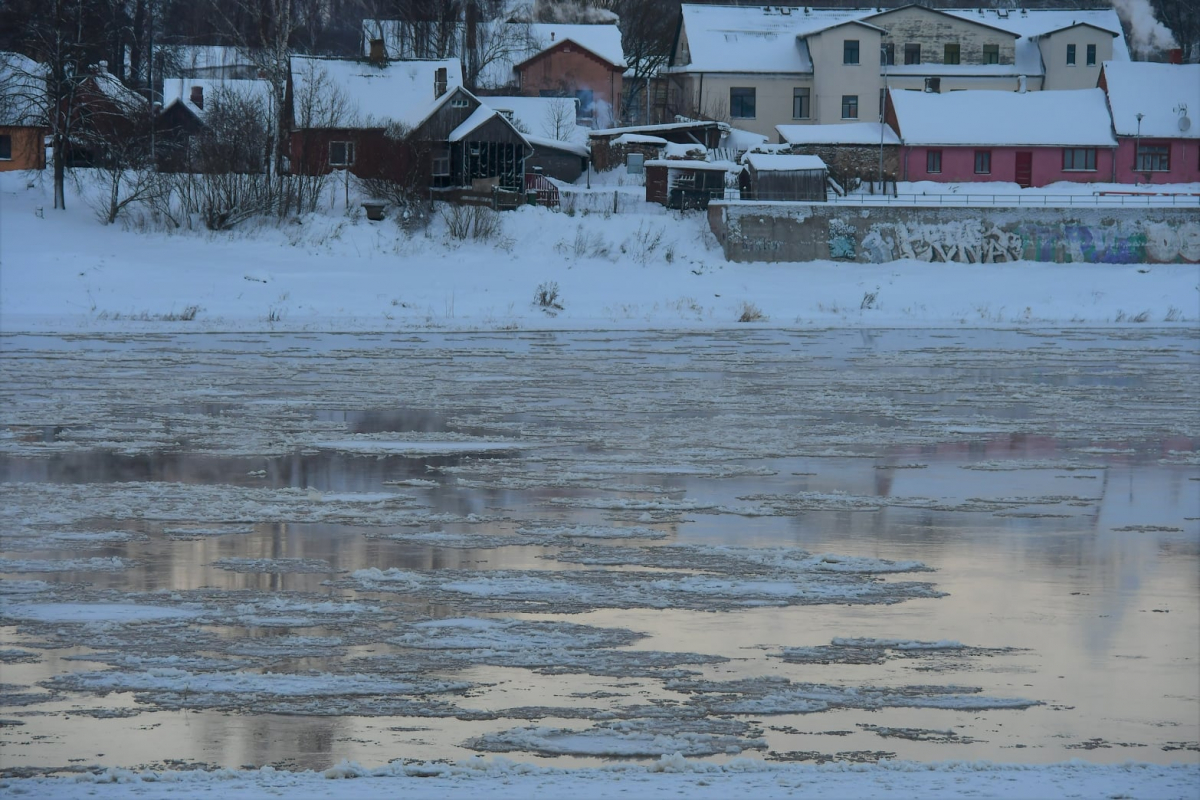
(789,178)
(22,113)
(681,183)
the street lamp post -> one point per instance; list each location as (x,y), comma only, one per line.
(882,109)
(1137,142)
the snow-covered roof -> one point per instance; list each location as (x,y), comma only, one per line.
(108,85)
(1066,118)
(23,99)
(848,133)
(1029,24)
(1157,92)
(745,39)
(638,138)
(778,162)
(681,163)
(500,45)
(399,91)
(541,142)
(538,115)
(184,59)
(603,40)
(663,127)
(477,118)
(179,90)
(739,139)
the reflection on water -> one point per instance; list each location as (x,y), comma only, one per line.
(1050,480)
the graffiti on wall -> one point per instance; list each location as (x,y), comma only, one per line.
(979,242)
(967,242)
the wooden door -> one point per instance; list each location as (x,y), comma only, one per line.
(1024,173)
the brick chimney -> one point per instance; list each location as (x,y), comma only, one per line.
(439,82)
(378,53)
(1175,55)
(197,97)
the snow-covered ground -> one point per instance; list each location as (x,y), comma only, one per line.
(63,271)
(674,776)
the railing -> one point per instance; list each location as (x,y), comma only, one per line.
(1113,199)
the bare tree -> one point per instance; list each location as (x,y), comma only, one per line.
(559,121)
(318,104)
(1183,18)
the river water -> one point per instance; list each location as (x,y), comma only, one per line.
(568,547)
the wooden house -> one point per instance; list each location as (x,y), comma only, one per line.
(411,122)
(783,177)
(1154,115)
(22,114)
(609,146)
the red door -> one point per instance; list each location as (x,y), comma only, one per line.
(1024,174)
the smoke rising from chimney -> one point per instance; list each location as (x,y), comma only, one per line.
(571,12)
(1146,33)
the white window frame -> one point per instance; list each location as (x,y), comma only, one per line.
(348,152)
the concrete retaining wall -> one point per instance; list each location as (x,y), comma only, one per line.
(874,235)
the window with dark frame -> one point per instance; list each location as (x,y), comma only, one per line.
(849,106)
(1091,55)
(5,147)
(1079,159)
(951,54)
(933,161)
(741,102)
(801,97)
(1070,55)
(983,162)
(440,167)
(341,154)
(887,54)
(991,54)
(912,53)
(1153,157)
(850,51)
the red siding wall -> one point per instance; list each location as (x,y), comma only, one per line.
(1185,161)
(958,165)
(567,67)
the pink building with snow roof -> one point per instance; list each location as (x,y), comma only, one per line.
(1031,139)
(1154,114)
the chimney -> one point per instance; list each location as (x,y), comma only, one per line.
(197,97)
(1022,84)
(1175,55)
(552,36)
(378,54)
(439,82)
(102,66)
(472,14)
(933,85)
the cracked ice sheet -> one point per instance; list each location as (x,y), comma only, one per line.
(579,591)
(632,738)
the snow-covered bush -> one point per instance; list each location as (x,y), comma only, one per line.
(472,222)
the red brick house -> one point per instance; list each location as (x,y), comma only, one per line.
(581,61)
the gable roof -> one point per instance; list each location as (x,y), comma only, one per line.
(374,96)
(602,40)
(980,22)
(1156,91)
(535,114)
(1064,118)
(1080,25)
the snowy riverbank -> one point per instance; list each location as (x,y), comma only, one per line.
(502,779)
(63,271)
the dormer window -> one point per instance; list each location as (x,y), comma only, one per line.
(460,102)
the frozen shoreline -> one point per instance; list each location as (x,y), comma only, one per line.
(63,272)
(502,779)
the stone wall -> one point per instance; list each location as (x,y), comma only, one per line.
(854,160)
(875,235)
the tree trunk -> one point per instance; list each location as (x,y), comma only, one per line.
(60,173)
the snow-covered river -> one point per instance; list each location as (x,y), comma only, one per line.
(795,545)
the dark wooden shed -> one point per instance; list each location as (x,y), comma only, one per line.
(678,183)
(774,176)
